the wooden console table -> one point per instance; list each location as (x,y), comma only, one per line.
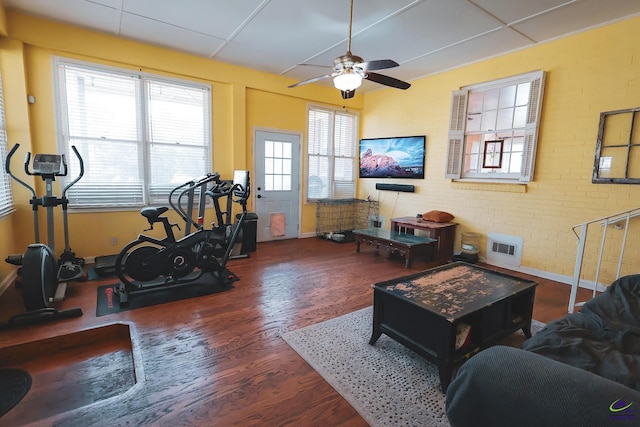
(443,232)
(405,245)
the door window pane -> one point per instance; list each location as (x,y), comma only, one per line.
(277,165)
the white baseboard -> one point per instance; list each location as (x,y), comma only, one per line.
(567,280)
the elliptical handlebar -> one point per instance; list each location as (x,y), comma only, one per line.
(186,188)
(27,160)
(7,168)
(80,175)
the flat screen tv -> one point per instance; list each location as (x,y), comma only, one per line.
(399,157)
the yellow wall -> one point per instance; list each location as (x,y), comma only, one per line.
(237,94)
(587,74)
(16,229)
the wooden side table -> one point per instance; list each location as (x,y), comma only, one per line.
(443,232)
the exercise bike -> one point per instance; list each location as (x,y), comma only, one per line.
(41,277)
(149,264)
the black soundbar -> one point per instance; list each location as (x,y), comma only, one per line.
(396,187)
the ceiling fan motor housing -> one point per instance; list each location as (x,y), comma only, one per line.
(346,62)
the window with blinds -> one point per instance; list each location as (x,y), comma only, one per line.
(331,154)
(6,199)
(139,135)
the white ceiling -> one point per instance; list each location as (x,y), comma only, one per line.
(276,36)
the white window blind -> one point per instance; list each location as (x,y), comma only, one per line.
(139,135)
(6,199)
(331,154)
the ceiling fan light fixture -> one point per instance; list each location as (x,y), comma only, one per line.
(347,81)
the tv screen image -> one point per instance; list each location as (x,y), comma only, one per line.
(399,157)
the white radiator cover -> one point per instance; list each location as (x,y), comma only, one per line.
(504,250)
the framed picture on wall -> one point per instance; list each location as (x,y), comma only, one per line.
(493,154)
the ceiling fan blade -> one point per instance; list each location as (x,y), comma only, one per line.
(379,64)
(387,81)
(315,79)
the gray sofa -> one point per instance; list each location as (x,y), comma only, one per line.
(580,370)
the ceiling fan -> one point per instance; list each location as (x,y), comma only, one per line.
(350,70)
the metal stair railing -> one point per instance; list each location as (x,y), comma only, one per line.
(582,238)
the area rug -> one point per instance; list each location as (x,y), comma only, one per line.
(388,384)
(14,385)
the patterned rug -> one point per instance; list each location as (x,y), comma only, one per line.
(388,384)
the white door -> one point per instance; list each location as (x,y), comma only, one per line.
(277,184)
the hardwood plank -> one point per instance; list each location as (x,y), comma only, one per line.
(220,359)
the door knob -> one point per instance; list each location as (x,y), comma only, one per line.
(259,196)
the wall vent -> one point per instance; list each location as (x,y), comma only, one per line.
(503,249)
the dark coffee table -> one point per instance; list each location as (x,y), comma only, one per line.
(423,311)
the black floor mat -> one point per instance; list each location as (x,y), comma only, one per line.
(14,385)
(109,303)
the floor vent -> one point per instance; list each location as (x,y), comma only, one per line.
(503,249)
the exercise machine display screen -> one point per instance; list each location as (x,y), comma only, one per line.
(241,177)
(47,164)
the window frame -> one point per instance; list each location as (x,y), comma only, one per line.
(459,133)
(337,189)
(626,144)
(6,194)
(152,193)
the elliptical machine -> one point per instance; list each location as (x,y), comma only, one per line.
(148,264)
(41,275)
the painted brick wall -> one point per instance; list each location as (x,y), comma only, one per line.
(587,73)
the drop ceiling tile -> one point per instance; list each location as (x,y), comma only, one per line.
(157,33)
(515,10)
(580,16)
(479,48)
(101,17)
(218,18)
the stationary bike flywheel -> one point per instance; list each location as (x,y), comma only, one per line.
(135,265)
(184,262)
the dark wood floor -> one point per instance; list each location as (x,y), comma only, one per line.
(217,359)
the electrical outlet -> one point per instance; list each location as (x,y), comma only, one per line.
(114,241)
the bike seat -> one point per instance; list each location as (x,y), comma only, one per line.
(152,214)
